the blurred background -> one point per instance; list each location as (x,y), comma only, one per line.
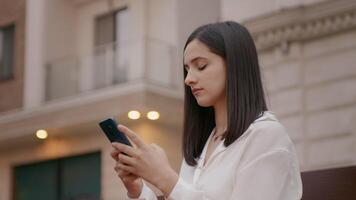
(67,64)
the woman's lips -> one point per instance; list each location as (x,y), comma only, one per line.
(196,91)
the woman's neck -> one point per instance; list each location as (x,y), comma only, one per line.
(220,112)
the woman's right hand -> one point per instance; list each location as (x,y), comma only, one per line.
(132,183)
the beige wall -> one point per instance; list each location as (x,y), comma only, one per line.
(11,90)
(240,10)
(191,15)
(60,31)
(162,19)
(312,89)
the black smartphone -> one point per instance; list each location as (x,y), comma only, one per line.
(109,127)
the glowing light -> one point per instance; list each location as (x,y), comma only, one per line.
(134,114)
(153,115)
(41,134)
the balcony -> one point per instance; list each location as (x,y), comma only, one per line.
(113,65)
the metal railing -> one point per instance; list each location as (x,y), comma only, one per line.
(151,60)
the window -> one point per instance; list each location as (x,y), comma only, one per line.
(111,48)
(105,29)
(7,36)
(73,178)
(112,27)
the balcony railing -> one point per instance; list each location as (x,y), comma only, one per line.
(152,61)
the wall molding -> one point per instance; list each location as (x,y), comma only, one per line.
(302,23)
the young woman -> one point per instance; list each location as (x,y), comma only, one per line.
(233,147)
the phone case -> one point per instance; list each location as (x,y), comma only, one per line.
(109,127)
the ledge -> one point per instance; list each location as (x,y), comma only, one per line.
(302,23)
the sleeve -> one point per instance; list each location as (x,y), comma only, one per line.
(146,194)
(263,178)
(185,191)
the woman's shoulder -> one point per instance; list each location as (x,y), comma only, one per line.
(268,123)
(266,134)
(265,139)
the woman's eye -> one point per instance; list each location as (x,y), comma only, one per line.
(202,67)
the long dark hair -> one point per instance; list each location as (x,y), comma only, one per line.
(244,90)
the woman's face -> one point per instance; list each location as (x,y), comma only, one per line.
(206,74)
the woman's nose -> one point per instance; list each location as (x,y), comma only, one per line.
(190,79)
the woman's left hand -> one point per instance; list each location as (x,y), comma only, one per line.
(148,161)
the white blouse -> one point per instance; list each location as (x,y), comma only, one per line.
(260,165)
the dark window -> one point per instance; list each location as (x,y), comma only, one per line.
(111,57)
(105,29)
(112,27)
(7,38)
(71,178)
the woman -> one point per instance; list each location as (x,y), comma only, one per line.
(233,147)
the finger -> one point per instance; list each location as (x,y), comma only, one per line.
(126,174)
(129,178)
(118,170)
(126,159)
(127,168)
(123,173)
(123,148)
(114,154)
(132,136)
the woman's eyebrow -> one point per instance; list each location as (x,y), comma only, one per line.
(195,59)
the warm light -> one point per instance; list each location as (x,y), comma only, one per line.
(42,134)
(153,115)
(134,115)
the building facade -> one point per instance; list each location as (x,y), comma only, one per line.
(76,62)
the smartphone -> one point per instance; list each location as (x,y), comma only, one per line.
(109,127)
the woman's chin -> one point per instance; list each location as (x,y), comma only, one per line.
(203,103)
